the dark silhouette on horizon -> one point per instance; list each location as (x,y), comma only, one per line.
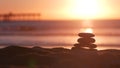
(10,15)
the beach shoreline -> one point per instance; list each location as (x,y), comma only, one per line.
(22,57)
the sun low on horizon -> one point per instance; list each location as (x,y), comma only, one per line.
(87,9)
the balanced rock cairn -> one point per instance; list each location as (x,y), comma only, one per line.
(85,42)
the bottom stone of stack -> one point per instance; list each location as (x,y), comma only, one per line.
(76,49)
(90,46)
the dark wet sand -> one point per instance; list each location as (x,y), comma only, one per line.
(37,57)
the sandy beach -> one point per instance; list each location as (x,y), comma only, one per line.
(37,57)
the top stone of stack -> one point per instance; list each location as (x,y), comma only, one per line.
(86,35)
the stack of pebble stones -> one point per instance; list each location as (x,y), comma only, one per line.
(86,40)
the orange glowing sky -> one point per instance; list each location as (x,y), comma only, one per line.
(65,9)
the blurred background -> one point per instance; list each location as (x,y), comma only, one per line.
(53,23)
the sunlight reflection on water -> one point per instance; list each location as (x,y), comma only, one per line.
(64,33)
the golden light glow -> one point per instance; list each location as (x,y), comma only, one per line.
(87,23)
(87,26)
(86,9)
(88,30)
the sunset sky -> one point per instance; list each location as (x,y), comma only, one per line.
(64,9)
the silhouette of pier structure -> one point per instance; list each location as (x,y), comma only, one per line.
(19,16)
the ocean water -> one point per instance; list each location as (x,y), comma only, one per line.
(59,33)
